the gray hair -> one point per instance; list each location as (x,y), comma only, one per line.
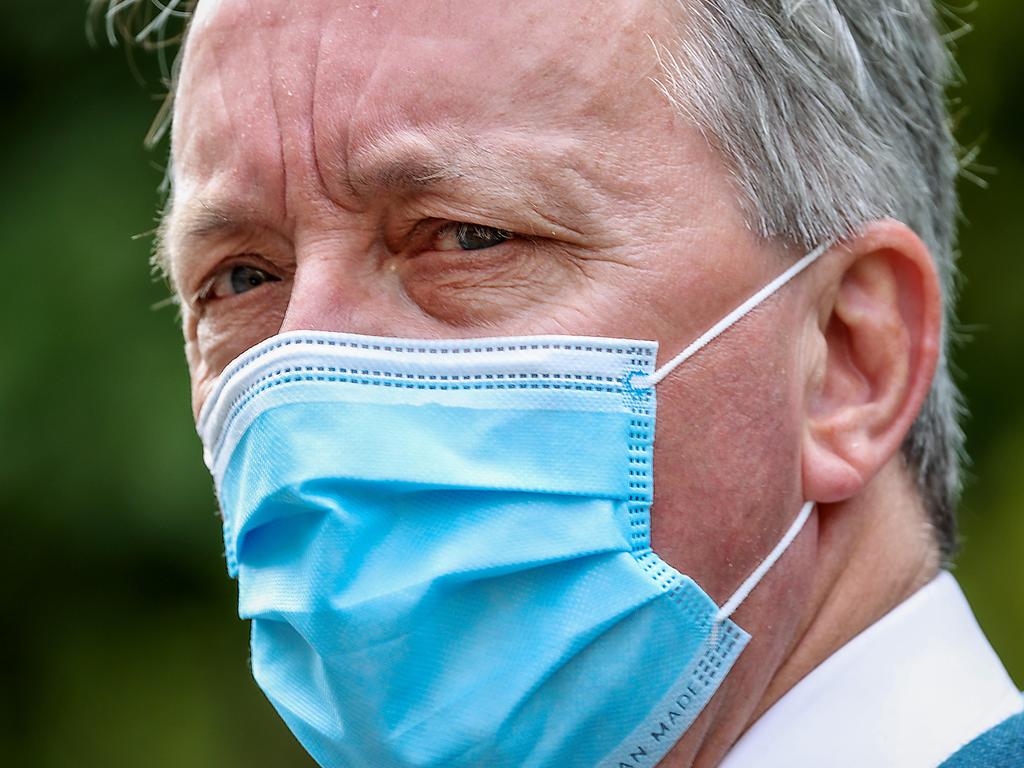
(829,113)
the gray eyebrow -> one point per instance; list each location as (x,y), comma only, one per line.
(407,174)
(385,168)
(206,220)
(193,221)
(185,227)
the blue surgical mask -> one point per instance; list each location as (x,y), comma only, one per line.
(444,549)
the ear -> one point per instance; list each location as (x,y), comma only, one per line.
(876,341)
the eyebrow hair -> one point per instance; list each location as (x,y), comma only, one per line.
(391,166)
(406,173)
(206,221)
(401,174)
(202,219)
(182,227)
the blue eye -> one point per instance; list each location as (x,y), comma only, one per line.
(470,237)
(244,279)
(474,237)
(236,280)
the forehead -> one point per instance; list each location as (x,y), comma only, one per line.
(277,80)
(391,45)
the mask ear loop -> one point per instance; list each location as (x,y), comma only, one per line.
(729,606)
(734,602)
(732,318)
(712,333)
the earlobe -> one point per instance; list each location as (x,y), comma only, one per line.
(876,344)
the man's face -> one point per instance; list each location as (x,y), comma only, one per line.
(325,153)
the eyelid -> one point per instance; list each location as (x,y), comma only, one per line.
(416,228)
(199,257)
(201,295)
(454,228)
(461,228)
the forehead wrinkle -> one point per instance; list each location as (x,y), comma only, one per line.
(496,172)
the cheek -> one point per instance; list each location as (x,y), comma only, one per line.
(224,332)
(488,286)
(220,343)
(727,469)
(200,376)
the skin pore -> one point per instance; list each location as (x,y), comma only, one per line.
(466,169)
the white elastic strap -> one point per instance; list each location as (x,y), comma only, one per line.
(733,317)
(753,579)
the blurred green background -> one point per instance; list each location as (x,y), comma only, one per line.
(119,638)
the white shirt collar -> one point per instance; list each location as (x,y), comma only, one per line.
(908,691)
